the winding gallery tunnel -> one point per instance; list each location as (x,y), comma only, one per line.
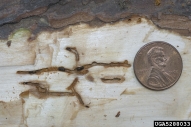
(95,63)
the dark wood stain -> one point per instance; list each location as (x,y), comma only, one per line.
(118,114)
(90,78)
(157,2)
(127,92)
(9,43)
(24,94)
(139,20)
(12,112)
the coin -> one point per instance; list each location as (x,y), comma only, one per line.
(158,65)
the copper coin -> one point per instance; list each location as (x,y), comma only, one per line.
(158,65)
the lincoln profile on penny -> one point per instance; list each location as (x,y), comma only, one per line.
(158,77)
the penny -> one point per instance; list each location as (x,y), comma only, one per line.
(158,65)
